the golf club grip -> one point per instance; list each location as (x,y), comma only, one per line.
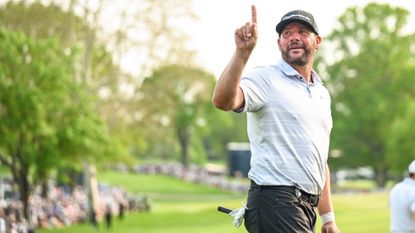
(224,210)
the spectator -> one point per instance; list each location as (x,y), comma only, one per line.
(121,211)
(402,204)
(2,221)
(108,216)
(93,219)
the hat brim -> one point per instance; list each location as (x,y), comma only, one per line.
(281,25)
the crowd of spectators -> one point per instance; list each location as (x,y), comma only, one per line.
(64,207)
(197,174)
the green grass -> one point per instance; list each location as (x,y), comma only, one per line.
(154,184)
(190,208)
(364,212)
(358,185)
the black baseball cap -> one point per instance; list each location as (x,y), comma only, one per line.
(298,16)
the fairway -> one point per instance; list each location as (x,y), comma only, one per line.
(189,208)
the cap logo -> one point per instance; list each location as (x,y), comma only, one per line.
(296,15)
(299,16)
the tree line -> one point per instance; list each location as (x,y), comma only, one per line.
(66,97)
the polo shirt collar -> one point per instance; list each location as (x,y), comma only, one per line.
(409,181)
(291,72)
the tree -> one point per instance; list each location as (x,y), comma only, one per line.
(222,128)
(175,95)
(45,116)
(143,34)
(373,91)
(101,75)
(148,28)
(180,108)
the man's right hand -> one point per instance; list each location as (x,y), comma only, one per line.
(228,94)
(246,36)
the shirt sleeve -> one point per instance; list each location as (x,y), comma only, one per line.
(254,90)
(413,206)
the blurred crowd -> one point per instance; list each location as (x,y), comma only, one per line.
(64,207)
(197,174)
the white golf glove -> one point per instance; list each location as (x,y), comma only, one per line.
(238,215)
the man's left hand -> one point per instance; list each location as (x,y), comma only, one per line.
(330,227)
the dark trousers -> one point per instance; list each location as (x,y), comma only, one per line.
(276,209)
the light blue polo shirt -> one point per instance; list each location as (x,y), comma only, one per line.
(402,206)
(289,124)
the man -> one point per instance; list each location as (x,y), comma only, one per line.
(289,124)
(402,204)
(2,220)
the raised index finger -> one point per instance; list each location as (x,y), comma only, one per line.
(253,12)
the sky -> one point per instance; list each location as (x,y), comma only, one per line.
(212,35)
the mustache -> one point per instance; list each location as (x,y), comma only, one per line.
(295,45)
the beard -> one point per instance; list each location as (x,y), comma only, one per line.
(297,61)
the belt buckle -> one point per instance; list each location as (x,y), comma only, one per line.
(314,200)
(297,192)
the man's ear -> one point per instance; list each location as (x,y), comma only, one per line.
(318,41)
(279,43)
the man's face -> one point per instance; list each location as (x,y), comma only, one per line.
(298,44)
